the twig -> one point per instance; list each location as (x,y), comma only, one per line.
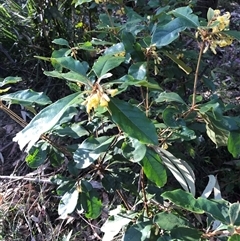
(30,179)
(196,75)
(145,200)
(123,199)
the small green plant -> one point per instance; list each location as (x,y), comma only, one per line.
(128,119)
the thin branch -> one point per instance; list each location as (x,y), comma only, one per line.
(196,74)
(30,179)
(145,200)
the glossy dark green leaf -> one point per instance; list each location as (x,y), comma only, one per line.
(10,80)
(27,97)
(128,80)
(106,63)
(116,50)
(186,234)
(166,34)
(134,150)
(215,130)
(68,202)
(37,155)
(187,134)
(138,232)
(128,41)
(133,121)
(169,116)
(213,208)
(168,221)
(154,169)
(233,143)
(234,212)
(233,33)
(90,150)
(56,157)
(71,76)
(71,64)
(169,97)
(45,120)
(234,237)
(187,15)
(138,70)
(74,130)
(184,200)
(61,41)
(90,201)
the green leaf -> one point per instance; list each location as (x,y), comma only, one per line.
(71,64)
(55,156)
(138,70)
(10,80)
(154,169)
(166,34)
(116,49)
(186,234)
(169,116)
(71,76)
(210,14)
(170,97)
(133,121)
(134,150)
(215,130)
(68,202)
(45,120)
(27,97)
(74,130)
(106,63)
(179,62)
(115,223)
(168,221)
(128,80)
(234,237)
(233,143)
(213,208)
(37,155)
(90,150)
(90,201)
(232,33)
(186,14)
(138,232)
(234,211)
(61,41)
(184,200)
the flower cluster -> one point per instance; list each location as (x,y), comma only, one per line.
(98,97)
(212,35)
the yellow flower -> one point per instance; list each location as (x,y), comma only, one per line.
(112,92)
(92,101)
(104,100)
(98,97)
(221,23)
(212,36)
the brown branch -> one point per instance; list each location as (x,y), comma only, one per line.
(30,179)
